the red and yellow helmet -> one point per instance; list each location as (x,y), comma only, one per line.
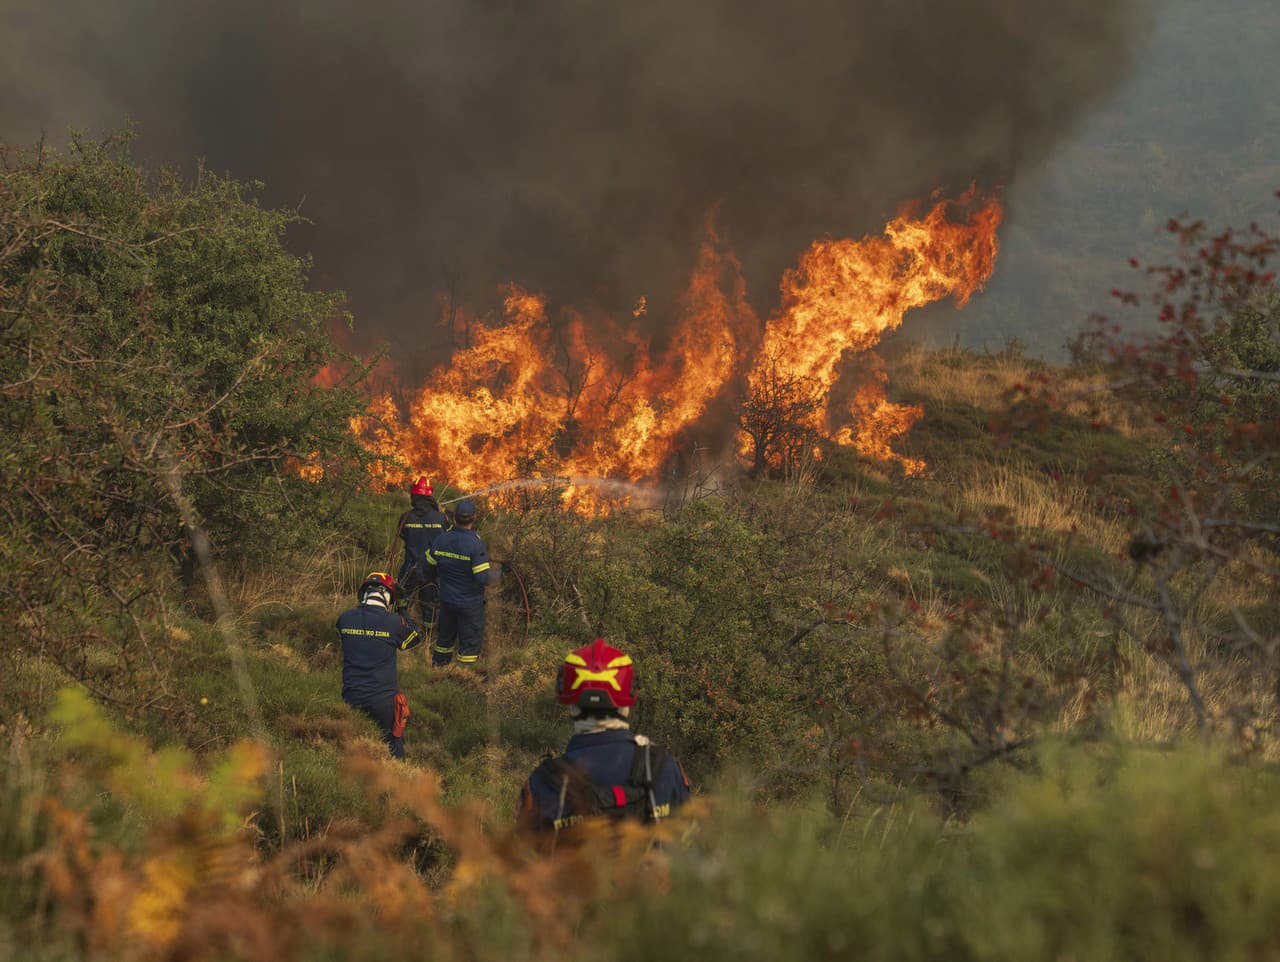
(377,581)
(421,486)
(596,676)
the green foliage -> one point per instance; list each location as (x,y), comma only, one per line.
(309,793)
(24,831)
(852,642)
(693,605)
(161,782)
(455,716)
(1105,851)
(1101,857)
(159,346)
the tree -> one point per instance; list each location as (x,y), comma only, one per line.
(777,419)
(159,345)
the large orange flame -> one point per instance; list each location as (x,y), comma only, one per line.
(845,294)
(577,396)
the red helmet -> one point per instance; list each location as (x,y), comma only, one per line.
(422,486)
(377,581)
(596,676)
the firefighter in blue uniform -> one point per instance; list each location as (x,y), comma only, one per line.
(372,635)
(461,563)
(605,770)
(419,528)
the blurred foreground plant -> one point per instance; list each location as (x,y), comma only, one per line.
(145,855)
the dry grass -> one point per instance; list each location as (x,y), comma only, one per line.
(930,603)
(992,381)
(326,576)
(982,381)
(1037,502)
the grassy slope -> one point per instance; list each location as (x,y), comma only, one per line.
(729,584)
(822,539)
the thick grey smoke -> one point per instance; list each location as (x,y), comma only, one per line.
(570,145)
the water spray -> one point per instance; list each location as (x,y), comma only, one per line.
(611,486)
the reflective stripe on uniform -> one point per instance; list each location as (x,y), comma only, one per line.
(408,640)
(467,659)
(451,554)
(482,566)
(444,651)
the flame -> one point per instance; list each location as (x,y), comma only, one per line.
(844,295)
(530,397)
(328,376)
(540,396)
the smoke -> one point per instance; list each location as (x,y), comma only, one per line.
(571,146)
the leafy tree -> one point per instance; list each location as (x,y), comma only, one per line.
(159,346)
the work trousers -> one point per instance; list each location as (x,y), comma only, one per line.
(461,631)
(383,711)
(425,594)
(428,598)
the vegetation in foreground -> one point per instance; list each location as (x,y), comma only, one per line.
(1021,707)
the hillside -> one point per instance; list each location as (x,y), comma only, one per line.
(872,714)
(1019,704)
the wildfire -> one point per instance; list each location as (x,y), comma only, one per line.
(577,396)
(845,294)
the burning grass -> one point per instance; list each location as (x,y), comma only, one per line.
(553,394)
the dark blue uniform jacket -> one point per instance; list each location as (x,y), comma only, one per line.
(605,759)
(419,529)
(371,637)
(462,562)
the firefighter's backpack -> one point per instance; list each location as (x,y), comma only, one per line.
(580,797)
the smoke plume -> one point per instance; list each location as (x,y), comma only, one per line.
(574,147)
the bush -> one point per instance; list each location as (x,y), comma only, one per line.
(1103,856)
(158,346)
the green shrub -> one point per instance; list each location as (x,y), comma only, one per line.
(161,347)
(1103,856)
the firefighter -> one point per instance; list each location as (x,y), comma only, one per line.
(419,528)
(605,770)
(461,563)
(372,634)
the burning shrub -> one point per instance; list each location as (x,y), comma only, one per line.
(778,420)
(541,390)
